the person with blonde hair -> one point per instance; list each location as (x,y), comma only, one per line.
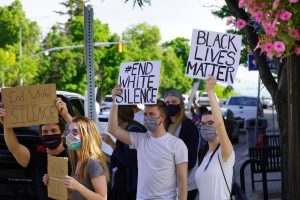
(89,168)
(182,127)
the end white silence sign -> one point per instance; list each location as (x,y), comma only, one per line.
(139,81)
(216,54)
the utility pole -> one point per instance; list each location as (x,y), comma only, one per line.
(20,58)
(293,69)
(89,61)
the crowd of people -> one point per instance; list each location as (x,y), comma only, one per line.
(159,153)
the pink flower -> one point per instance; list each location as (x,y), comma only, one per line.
(241,3)
(276,4)
(229,21)
(270,29)
(268,47)
(285,15)
(279,46)
(259,16)
(240,24)
(295,34)
(297,50)
(293,1)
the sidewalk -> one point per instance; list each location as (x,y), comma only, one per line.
(274,187)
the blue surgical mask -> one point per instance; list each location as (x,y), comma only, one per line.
(73,142)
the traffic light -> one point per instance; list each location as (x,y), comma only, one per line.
(120,47)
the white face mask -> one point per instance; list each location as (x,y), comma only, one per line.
(208,132)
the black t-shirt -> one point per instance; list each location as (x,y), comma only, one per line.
(38,167)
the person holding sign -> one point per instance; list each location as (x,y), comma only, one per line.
(35,161)
(123,159)
(162,158)
(89,169)
(182,127)
(214,175)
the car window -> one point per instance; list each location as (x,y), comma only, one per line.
(250,102)
(204,95)
(77,107)
(108,99)
(235,101)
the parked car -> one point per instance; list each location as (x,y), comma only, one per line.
(244,107)
(268,102)
(203,99)
(15,181)
(107,101)
(104,114)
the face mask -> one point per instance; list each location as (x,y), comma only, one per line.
(51,141)
(172,109)
(150,123)
(73,142)
(208,132)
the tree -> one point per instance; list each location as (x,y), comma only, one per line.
(277,89)
(15,28)
(74,8)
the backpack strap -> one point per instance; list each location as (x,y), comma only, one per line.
(225,178)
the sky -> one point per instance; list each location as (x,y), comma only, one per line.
(175,18)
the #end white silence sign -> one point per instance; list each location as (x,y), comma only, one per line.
(139,81)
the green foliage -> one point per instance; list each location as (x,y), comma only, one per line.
(74,8)
(15,28)
(181,47)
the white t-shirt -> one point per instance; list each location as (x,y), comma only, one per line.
(157,160)
(139,117)
(211,183)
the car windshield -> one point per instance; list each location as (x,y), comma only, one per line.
(204,95)
(108,99)
(243,101)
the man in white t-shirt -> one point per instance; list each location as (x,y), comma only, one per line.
(162,158)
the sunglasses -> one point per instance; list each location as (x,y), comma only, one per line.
(73,132)
(207,123)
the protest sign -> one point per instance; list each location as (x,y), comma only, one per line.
(139,81)
(192,95)
(57,170)
(216,54)
(29,105)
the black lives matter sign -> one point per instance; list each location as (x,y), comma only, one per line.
(139,81)
(216,54)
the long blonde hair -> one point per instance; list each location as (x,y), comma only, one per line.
(90,148)
(179,119)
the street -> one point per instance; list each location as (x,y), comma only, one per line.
(241,155)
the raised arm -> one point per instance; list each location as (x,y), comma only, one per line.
(19,151)
(226,146)
(63,110)
(113,126)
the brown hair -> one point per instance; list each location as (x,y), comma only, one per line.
(90,148)
(61,124)
(125,112)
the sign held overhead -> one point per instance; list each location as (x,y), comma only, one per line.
(29,105)
(213,53)
(139,81)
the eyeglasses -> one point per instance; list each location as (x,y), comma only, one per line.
(74,132)
(207,123)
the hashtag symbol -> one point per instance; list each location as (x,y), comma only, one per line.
(128,69)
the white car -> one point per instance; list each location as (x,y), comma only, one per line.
(203,99)
(244,107)
(268,102)
(107,102)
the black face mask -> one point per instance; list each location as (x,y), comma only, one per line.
(172,110)
(51,141)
